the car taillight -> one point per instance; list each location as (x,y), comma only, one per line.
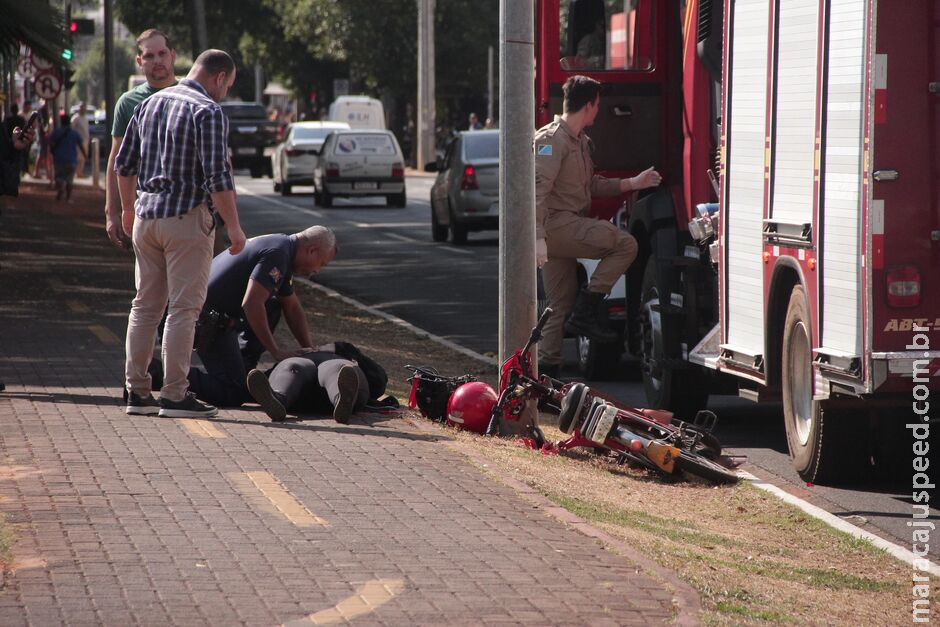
(398,171)
(293,152)
(903,286)
(332,170)
(469,180)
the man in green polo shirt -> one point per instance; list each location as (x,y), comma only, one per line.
(155,58)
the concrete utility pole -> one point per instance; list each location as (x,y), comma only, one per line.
(517,291)
(427,107)
(109,66)
(200,34)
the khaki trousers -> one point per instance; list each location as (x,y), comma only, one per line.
(172,267)
(584,238)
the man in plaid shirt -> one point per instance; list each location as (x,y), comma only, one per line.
(172,166)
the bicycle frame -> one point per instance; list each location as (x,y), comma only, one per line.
(648,437)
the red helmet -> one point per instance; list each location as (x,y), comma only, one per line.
(470,406)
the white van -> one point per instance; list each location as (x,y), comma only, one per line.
(358,112)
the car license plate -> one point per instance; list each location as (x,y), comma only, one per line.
(245,151)
(366,185)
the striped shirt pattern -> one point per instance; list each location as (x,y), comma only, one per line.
(177,145)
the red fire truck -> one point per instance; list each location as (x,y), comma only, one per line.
(793,251)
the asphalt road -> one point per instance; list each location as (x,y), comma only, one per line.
(388,260)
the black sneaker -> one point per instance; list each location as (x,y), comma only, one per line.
(189,407)
(260,389)
(141,405)
(348,383)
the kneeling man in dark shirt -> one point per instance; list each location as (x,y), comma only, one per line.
(246,297)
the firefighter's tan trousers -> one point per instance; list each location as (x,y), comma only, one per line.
(584,238)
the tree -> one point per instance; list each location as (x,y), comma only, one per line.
(36,24)
(89,71)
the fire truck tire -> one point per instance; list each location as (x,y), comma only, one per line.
(826,445)
(668,384)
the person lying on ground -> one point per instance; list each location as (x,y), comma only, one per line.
(335,378)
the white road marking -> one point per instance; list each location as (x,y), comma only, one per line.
(387,225)
(278,203)
(411,240)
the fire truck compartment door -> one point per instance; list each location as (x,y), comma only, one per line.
(743,211)
(793,138)
(841,178)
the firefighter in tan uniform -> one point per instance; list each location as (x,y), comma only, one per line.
(564,184)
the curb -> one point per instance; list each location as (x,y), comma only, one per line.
(685,599)
(894,550)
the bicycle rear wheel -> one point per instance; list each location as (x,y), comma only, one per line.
(695,464)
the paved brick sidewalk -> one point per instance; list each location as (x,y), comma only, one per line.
(143,520)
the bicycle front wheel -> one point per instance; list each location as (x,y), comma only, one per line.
(695,464)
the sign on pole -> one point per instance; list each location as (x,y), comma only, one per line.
(47,85)
(25,67)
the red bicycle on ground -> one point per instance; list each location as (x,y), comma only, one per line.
(651,438)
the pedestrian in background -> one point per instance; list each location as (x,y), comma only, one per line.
(564,184)
(24,154)
(44,157)
(474,123)
(173,162)
(155,59)
(80,126)
(65,144)
(12,146)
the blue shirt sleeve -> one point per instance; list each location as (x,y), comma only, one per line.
(271,271)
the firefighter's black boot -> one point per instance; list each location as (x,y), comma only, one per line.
(586,318)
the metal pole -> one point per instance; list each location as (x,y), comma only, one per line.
(517,292)
(95,162)
(259,79)
(108,66)
(489,84)
(200,34)
(426,88)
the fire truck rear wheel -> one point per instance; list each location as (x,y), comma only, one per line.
(678,388)
(826,445)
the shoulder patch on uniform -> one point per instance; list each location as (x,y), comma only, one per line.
(275,274)
(544,150)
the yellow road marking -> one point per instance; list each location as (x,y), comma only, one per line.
(371,596)
(27,563)
(202,428)
(105,334)
(77,307)
(277,499)
(15,473)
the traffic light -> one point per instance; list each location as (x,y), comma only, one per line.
(67,53)
(82,26)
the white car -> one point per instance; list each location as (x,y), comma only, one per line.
(294,159)
(360,163)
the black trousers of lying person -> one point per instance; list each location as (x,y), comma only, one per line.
(227,360)
(316,382)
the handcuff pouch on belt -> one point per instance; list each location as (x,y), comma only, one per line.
(210,326)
